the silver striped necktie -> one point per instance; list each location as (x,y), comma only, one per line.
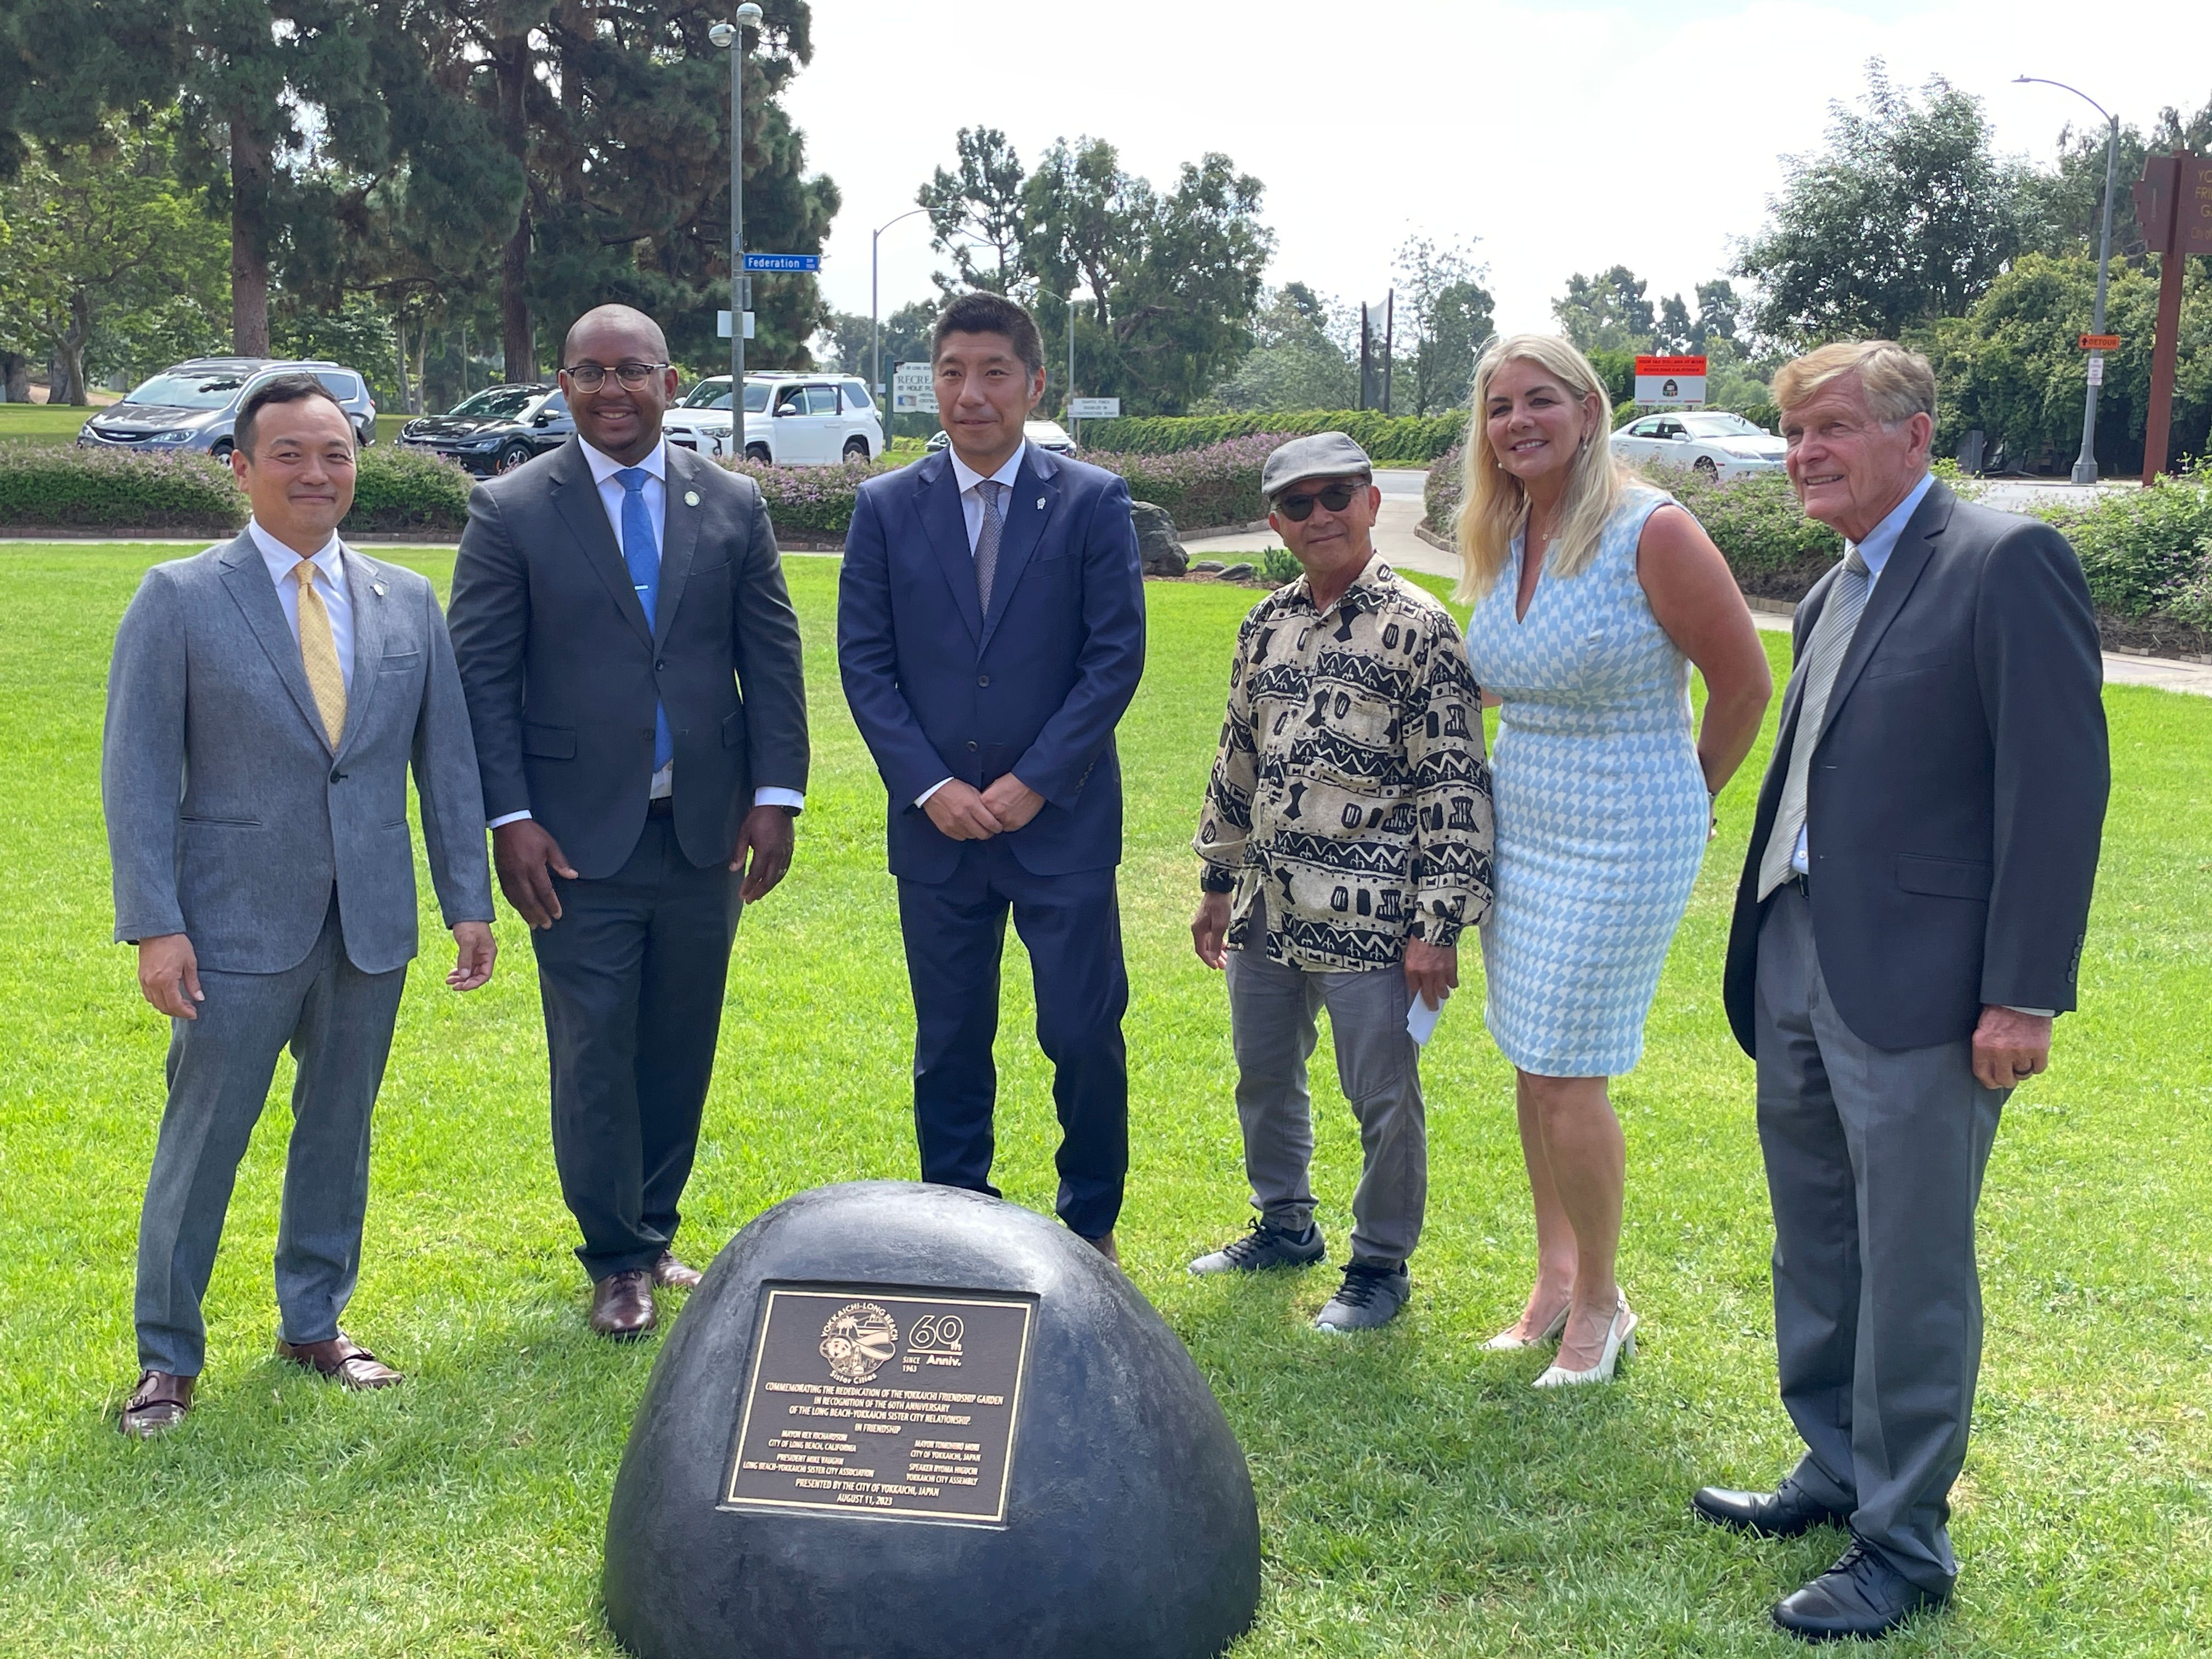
(987,541)
(1824,655)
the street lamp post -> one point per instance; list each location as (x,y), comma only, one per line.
(876,325)
(733,37)
(2085,464)
(1068,299)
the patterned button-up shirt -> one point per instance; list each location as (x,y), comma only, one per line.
(1350,797)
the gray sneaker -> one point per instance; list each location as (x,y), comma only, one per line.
(1371,1295)
(1265,1246)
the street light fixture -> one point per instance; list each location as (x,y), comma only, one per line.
(2085,465)
(875,322)
(732,38)
(1068,299)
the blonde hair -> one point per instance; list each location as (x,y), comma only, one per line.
(1494,506)
(1899,384)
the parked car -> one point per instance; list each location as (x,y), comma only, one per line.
(194,405)
(1045,434)
(1708,440)
(496,429)
(791,419)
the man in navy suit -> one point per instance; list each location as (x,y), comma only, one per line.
(990,632)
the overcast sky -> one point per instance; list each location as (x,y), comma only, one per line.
(1566,137)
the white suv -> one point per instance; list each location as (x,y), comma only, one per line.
(791,419)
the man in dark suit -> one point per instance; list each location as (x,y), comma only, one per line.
(990,632)
(1910,920)
(267,701)
(632,666)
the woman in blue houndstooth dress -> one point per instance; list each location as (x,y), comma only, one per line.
(1593,594)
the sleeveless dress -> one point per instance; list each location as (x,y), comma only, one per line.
(1601,806)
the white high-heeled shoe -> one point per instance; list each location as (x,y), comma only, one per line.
(1506,1342)
(1619,1339)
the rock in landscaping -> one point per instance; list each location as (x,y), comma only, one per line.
(1208,567)
(1157,546)
(920,1423)
(1240,573)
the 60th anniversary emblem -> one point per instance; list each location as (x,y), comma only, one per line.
(889,1405)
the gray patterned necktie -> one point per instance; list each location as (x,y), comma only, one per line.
(987,541)
(1824,655)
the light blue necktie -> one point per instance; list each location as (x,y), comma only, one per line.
(641,553)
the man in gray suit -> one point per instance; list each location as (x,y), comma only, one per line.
(1910,920)
(266,701)
(632,666)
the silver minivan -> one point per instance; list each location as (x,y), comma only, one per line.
(194,405)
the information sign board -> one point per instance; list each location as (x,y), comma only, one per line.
(913,390)
(783,262)
(1670,381)
(722,324)
(1094,408)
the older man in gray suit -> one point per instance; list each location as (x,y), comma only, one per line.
(1908,922)
(266,702)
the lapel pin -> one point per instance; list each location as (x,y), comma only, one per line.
(1040,500)
(377,588)
(690,498)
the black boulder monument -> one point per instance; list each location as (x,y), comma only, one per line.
(913,1422)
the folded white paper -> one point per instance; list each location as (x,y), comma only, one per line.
(1421,1020)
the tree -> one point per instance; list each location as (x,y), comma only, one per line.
(978,208)
(1183,306)
(1908,216)
(104,241)
(2067,203)
(1448,313)
(1717,311)
(1607,311)
(1296,362)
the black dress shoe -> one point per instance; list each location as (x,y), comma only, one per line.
(1861,1595)
(1782,1513)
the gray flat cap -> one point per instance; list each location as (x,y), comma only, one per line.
(1322,455)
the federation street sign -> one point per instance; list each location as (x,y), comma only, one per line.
(913,390)
(783,262)
(1670,381)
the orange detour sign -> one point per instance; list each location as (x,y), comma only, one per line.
(2101,342)
(1670,381)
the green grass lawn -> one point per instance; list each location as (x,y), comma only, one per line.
(41,423)
(1416,1495)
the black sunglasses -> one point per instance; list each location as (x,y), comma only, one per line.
(1334,496)
(590,377)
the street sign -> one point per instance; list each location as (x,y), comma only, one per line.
(913,390)
(2101,342)
(2096,371)
(1669,381)
(783,262)
(1094,408)
(722,324)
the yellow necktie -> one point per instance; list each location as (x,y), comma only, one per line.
(318,652)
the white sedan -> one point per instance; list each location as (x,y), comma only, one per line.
(1708,440)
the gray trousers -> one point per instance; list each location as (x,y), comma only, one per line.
(1874,1163)
(1271,1024)
(337,1021)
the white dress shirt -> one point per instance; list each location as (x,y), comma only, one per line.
(330,587)
(655,492)
(971,509)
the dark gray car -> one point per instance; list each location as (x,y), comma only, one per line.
(194,405)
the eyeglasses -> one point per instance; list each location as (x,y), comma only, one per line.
(590,377)
(1334,496)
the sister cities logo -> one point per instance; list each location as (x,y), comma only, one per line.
(859,1341)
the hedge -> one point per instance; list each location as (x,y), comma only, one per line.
(2147,554)
(64,487)
(404,492)
(1394,439)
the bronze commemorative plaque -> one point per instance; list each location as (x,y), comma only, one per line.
(888,1404)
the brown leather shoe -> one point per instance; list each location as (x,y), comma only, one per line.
(622,1304)
(157,1405)
(1104,1245)
(674,1274)
(341,1359)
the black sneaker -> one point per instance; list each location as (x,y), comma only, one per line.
(1265,1246)
(1371,1294)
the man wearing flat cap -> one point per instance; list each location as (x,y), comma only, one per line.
(1344,845)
